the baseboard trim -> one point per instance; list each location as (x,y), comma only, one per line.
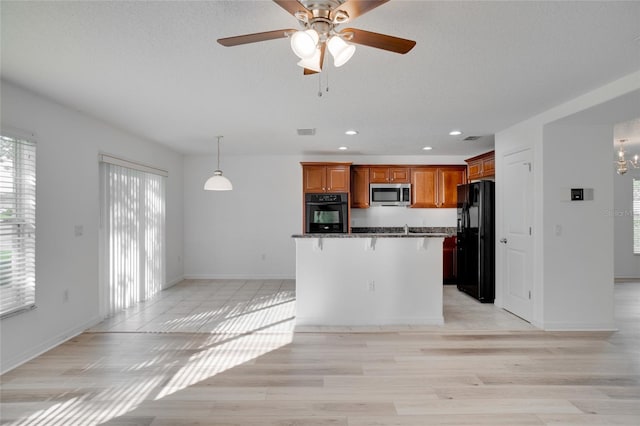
(173,282)
(568,326)
(237,277)
(626,279)
(36,351)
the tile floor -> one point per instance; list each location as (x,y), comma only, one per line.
(245,306)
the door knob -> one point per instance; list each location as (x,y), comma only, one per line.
(503,240)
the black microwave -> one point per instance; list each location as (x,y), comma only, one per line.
(390,194)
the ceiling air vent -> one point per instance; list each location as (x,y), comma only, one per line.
(306,132)
(471,138)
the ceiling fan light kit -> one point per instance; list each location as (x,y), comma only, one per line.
(304,43)
(341,50)
(319,20)
(312,63)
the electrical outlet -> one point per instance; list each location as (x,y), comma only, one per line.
(372,285)
(65,295)
(263,256)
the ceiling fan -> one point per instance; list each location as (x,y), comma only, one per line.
(319,20)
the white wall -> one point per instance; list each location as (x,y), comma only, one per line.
(246,233)
(565,154)
(578,274)
(68,143)
(626,264)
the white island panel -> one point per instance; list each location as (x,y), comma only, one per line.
(368,281)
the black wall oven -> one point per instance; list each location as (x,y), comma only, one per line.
(326,213)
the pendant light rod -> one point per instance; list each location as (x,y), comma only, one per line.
(219,137)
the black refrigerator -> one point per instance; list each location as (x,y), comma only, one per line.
(475,248)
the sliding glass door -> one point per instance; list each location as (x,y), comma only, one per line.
(132,234)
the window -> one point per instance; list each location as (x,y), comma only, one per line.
(133,233)
(17,225)
(636,216)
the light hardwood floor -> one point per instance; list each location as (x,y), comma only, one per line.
(194,360)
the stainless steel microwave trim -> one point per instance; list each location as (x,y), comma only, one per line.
(403,194)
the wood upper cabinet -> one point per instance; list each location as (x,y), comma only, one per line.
(436,186)
(448,180)
(386,174)
(360,187)
(423,187)
(481,166)
(325,177)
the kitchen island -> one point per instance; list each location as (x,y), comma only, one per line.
(369,279)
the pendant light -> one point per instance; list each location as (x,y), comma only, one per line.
(217,182)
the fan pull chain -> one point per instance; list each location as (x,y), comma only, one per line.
(320,83)
(327,71)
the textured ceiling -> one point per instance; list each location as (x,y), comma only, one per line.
(155,69)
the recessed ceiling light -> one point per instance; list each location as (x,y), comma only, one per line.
(351,132)
(343,148)
(427,148)
(455,133)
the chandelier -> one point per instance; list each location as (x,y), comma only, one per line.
(622,164)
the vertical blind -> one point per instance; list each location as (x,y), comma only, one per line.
(636,216)
(134,214)
(17,225)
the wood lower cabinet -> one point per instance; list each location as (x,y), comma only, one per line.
(481,166)
(387,174)
(449,269)
(325,177)
(436,186)
(360,187)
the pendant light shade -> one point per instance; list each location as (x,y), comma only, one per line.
(217,182)
(341,50)
(303,43)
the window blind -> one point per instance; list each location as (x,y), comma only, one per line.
(17,225)
(134,213)
(636,216)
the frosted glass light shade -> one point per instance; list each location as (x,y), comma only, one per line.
(217,182)
(303,43)
(312,63)
(340,50)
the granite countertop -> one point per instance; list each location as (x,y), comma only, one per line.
(388,232)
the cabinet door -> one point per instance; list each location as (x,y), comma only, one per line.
(399,175)
(475,169)
(337,179)
(449,260)
(489,167)
(378,174)
(448,180)
(314,178)
(360,187)
(423,187)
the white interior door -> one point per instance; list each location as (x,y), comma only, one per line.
(515,238)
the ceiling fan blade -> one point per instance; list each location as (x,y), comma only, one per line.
(307,71)
(254,38)
(380,41)
(356,8)
(292,6)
